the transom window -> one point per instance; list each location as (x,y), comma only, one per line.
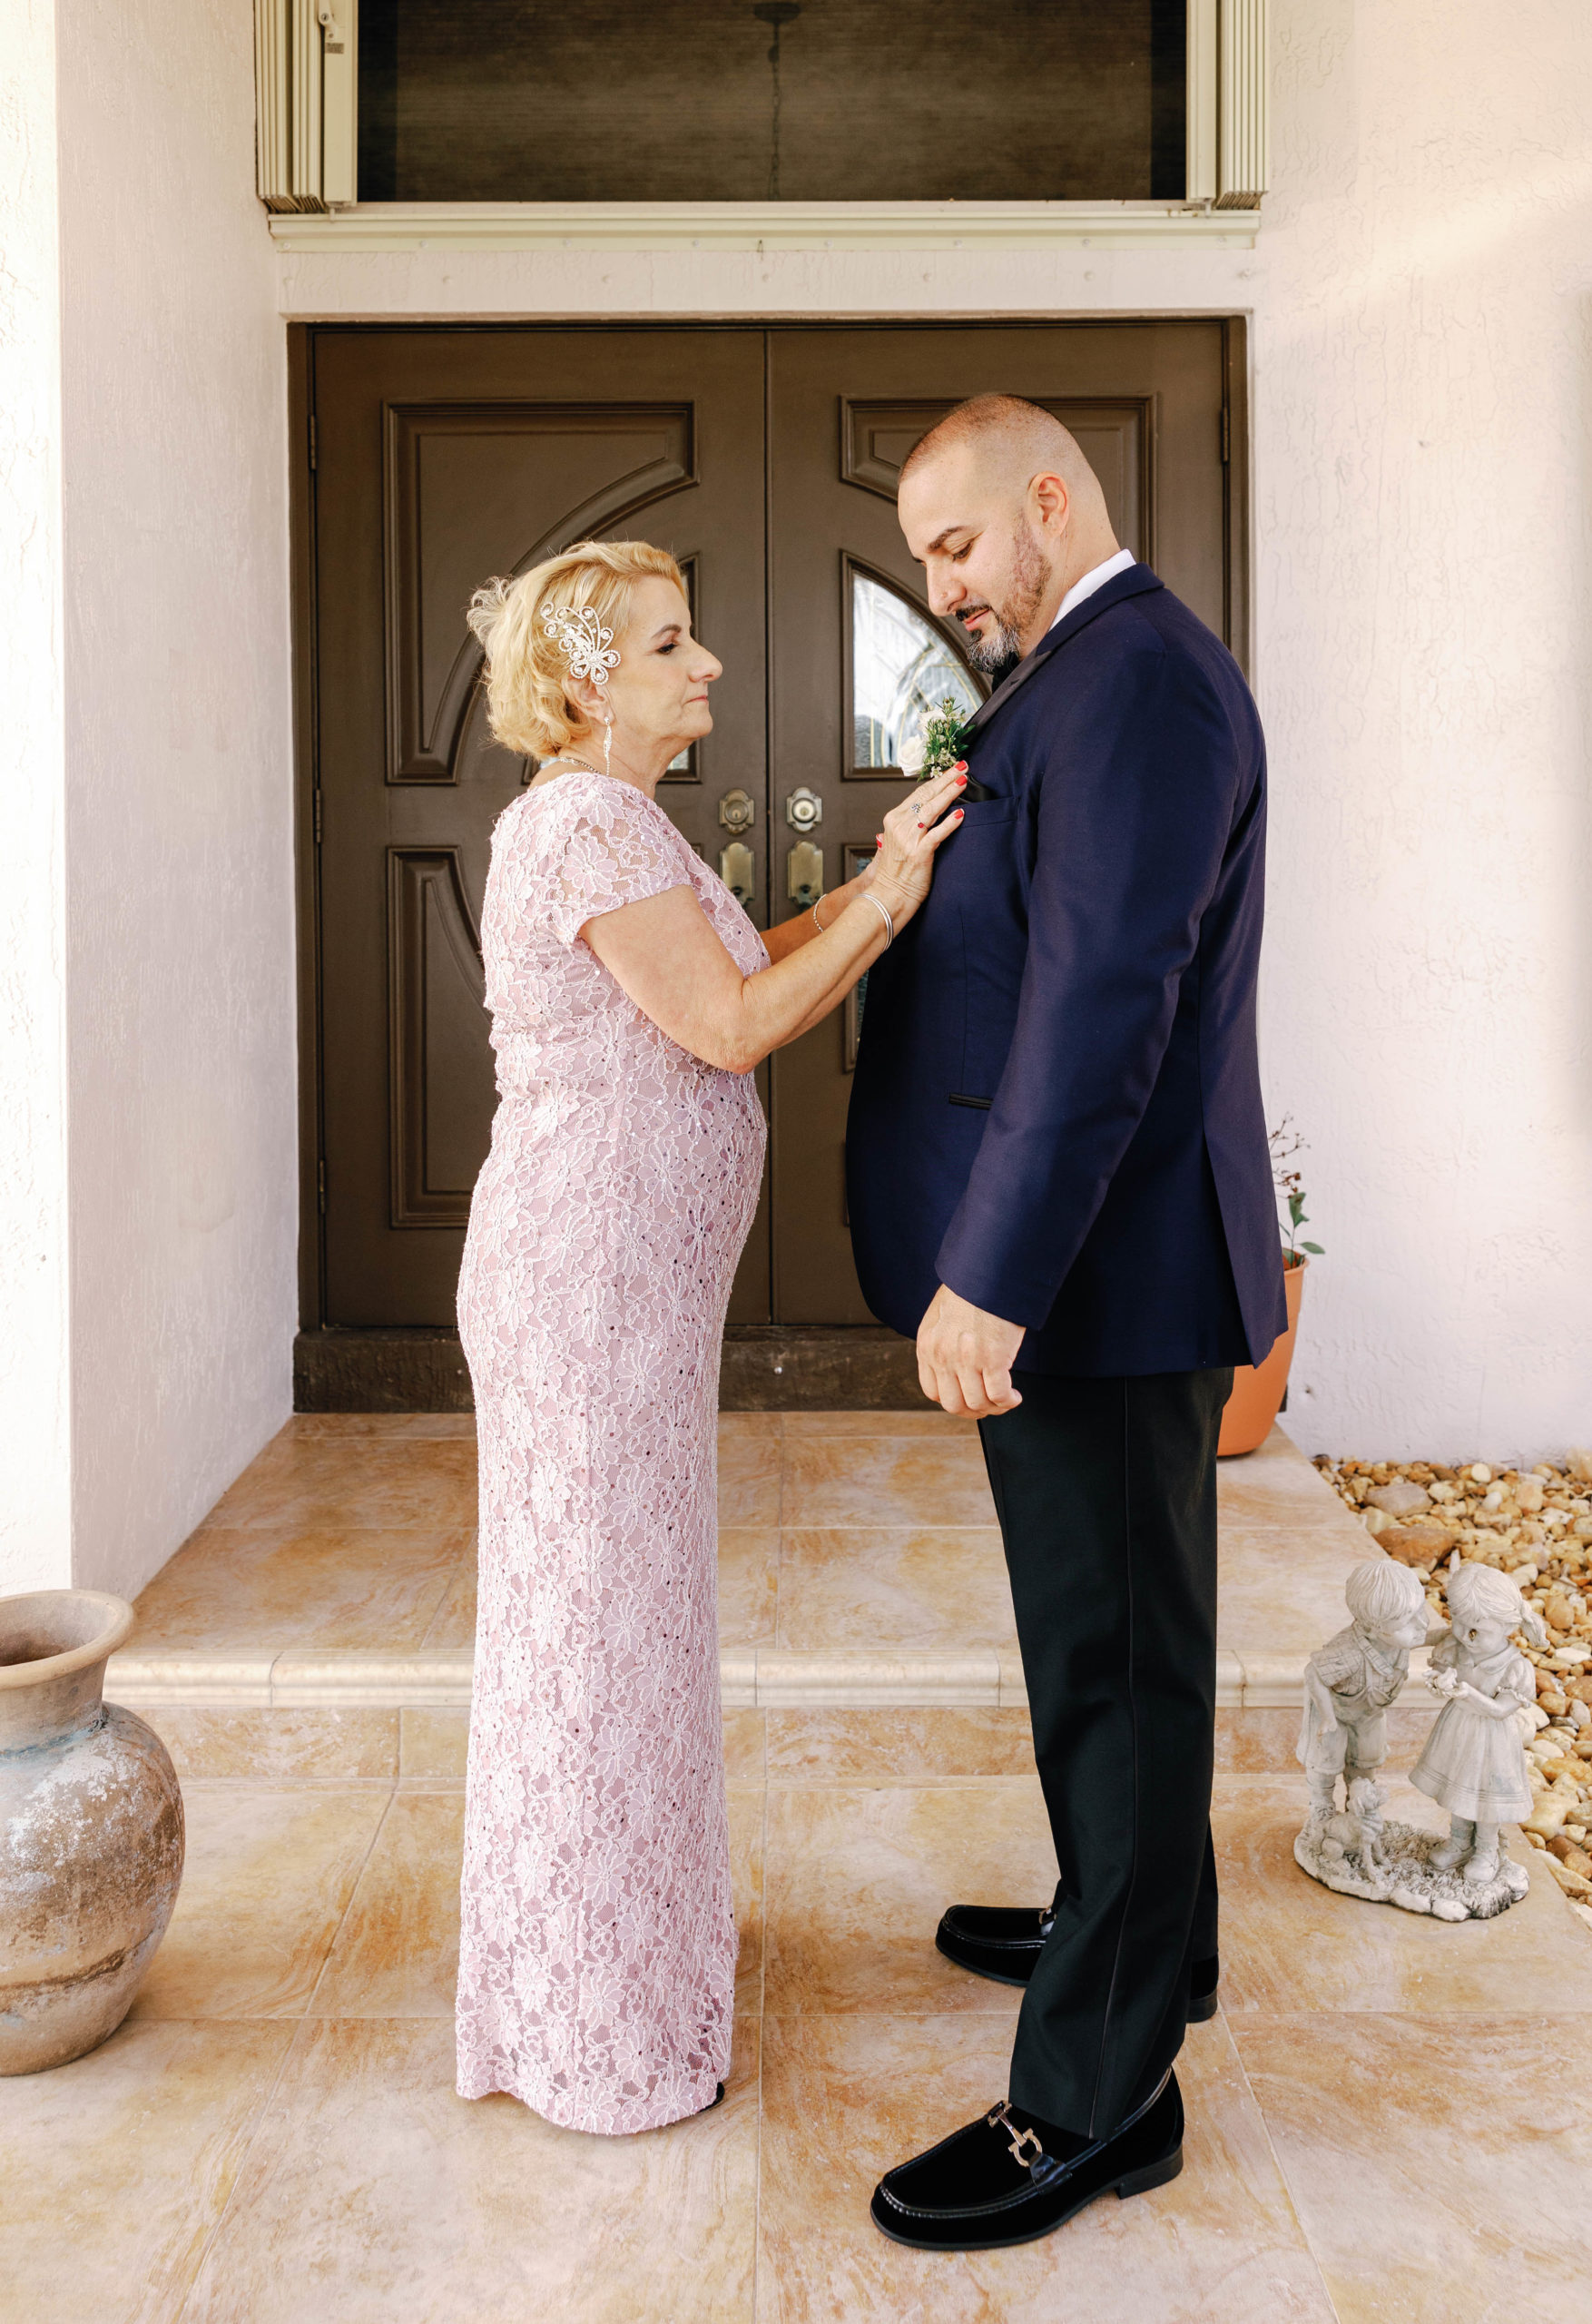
(771,101)
(1060,117)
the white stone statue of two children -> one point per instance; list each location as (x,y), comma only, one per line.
(1474,1762)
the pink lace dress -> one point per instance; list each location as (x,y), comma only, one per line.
(597,1953)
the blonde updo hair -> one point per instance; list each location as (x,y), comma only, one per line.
(527,706)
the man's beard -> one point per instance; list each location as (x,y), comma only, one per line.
(1030,577)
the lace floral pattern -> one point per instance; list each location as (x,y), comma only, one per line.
(598,1955)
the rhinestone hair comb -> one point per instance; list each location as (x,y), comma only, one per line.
(585,644)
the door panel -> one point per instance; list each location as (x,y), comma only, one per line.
(439,1103)
(444,457)
(464,481)
(845,407)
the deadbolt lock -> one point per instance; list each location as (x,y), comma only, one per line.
(737,811)
(803,811)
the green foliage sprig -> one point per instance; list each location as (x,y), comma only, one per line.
(1285,1142)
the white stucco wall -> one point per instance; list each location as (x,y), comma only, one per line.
(180,954)
(1424,521)
(35,1516)
(1419,301)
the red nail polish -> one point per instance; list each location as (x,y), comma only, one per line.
(958,816)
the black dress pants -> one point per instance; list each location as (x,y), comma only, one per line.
(1107,1495)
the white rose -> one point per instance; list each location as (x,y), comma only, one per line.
(913,755)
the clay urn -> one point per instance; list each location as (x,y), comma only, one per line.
(90,1831)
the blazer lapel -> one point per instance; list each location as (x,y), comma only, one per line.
(1133,583)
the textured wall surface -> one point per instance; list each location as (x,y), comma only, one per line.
(180,964)
(1420,299)
(1423,428)
(35,1538)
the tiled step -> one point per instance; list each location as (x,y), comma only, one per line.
(758,1677)
(320,1620)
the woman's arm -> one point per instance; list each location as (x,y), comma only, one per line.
(853,889)
(788,936)
(665,955)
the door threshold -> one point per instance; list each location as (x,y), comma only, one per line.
(421,1370)
(766,1368)
(817,1368)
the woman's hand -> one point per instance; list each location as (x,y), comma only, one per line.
(912,834)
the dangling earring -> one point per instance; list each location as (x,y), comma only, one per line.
(608,740)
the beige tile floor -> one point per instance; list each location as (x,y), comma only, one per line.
(1385,2122)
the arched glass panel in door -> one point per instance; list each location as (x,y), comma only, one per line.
(902,670)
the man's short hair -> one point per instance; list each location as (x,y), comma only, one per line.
(1011,417)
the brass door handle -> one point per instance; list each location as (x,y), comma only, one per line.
(738,871)
(804,874)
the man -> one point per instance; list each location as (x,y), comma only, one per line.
(1059,1181)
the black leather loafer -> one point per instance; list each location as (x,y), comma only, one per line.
(999,1941)
(994,2182)
(1004,1941)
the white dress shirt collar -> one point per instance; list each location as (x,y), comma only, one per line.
(1093,581)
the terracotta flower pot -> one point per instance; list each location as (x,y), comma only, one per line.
(1257,1388)
(90,1831)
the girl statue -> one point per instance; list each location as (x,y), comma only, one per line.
(1473,1764)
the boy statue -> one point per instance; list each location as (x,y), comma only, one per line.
(1349,1684)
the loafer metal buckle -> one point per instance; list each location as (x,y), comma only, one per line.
(1001,2115)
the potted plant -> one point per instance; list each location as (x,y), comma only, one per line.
(1259,1388)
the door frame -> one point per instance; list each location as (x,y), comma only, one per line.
(768,1366)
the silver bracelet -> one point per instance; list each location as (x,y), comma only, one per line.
(816,921)
(884,912)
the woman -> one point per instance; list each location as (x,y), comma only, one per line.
(631,999)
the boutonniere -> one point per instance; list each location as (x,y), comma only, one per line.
(943,743)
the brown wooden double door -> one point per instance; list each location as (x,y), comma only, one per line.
(766,460)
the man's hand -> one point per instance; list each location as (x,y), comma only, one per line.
(965,1357)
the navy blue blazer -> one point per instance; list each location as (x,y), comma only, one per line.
(1057,1105)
